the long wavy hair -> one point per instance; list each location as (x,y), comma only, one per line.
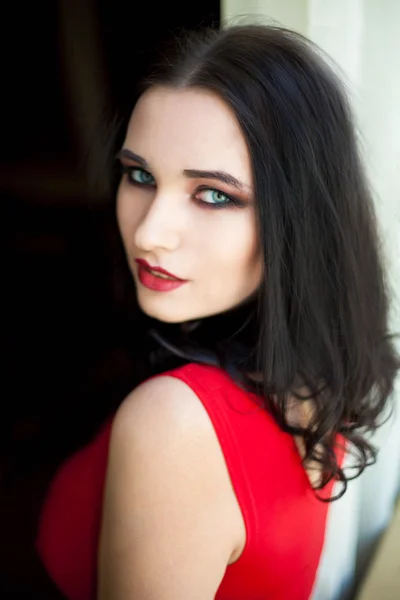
(319,321)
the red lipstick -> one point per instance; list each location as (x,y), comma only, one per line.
(149,278)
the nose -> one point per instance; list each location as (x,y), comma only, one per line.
(160,226)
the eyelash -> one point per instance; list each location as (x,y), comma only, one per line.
(126,171)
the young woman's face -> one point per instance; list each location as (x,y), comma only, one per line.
(185,204)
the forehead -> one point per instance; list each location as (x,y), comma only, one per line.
(188,128)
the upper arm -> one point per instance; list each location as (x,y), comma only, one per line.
(167,528)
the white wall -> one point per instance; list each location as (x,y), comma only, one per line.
(363,39)
(291,13)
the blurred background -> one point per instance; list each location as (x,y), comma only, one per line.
(69,66)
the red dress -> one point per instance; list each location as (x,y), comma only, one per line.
(285,522)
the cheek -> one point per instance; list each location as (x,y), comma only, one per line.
(238,248)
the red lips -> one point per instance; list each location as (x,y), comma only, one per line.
(145,264)
(153,281)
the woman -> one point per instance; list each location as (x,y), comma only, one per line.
(251,239)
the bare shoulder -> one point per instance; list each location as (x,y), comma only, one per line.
(168,404)
(169,507)
(164,416)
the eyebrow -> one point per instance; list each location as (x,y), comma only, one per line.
(190,173)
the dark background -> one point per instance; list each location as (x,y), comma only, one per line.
(67,66)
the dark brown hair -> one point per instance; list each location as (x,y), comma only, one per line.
(320,317)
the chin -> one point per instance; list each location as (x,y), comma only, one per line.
(164,316)
(172,317)
(167,310)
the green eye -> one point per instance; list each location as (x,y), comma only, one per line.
(215,197)
(137,175)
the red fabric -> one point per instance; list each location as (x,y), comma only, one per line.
(285,523)
(70,520)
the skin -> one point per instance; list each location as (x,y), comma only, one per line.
(171,223)
(171,520)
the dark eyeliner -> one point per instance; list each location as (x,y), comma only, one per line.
(232,201)
(127,169)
